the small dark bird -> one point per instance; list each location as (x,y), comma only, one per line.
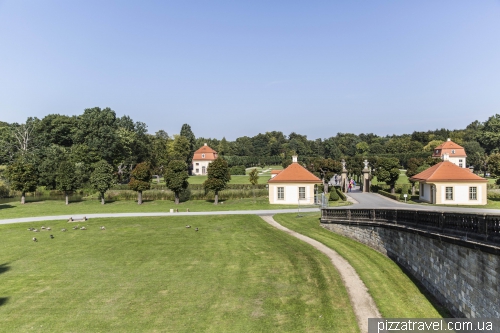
(177,210)
(52,236)
(34,239)
(196,229)
(188,226)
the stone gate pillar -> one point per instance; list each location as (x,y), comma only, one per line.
(343,179)
(366,177)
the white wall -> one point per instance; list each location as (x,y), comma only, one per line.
(200,166)
(291,193)
(427,192)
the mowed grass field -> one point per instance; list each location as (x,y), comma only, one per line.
(236,274)
(14,209)
(395,294)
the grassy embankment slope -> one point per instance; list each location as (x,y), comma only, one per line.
(393,291)
(237,274)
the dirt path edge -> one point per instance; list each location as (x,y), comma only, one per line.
(362,303)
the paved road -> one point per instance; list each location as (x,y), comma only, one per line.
(90,216)
(374,200)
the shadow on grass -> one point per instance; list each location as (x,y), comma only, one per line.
(3,300)
(4,268)
(430,297)
(5,206)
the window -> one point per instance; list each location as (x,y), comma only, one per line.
(421,190)
(197,170)
(302,193)
(203,170)
(202,155)
(472,193)
(197,164)
(281,193)
(453,151)
(449,193)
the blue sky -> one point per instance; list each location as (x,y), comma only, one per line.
(235,68)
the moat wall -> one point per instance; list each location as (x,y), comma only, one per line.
(463,275)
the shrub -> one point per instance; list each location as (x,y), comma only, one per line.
(404,190)
(389,195)
(334,196)
(237,170)
(340,194)
(4,191)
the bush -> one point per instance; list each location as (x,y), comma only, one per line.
(389,195)
(404,190)
(237,170)
(334,196)
(340,193)
(497,181)
(4,191)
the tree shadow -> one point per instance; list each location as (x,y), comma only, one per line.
(4,268)
(3,300)
(5,206)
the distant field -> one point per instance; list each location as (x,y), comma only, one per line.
(236,274)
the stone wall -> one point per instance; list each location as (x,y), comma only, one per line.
(463,275)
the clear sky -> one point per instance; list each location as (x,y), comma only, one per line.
(235,68)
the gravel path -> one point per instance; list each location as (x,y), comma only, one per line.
(363,305)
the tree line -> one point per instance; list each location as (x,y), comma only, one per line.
(68,152)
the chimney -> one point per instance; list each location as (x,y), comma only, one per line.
(448,139)
(205,144)
(294,159)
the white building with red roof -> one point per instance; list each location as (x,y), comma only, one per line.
(202,158)
(293,185)
(452,152)
(448,184)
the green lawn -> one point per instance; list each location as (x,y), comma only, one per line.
(393,291)
(237,274)
(53,207)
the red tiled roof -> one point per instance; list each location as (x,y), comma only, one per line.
(447,147)
(295,173)
(447,171)
(275,172)
(210,154)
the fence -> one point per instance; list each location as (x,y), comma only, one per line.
(480,227)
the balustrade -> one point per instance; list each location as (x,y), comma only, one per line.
(474,226)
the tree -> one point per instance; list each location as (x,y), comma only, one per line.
(189,135)
(387,170)
(475,154)
(217,177)
(22,177)
(140,181)
(102,178)
(176,177)
(494,164)
(412,170)
(325,169)
(253,177)
(179,149)
(489,135)
(66,178)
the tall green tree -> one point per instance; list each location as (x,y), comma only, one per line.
(66,178)
(179,149)
(253,176)
(140,181)
(489,135)
(217,177)
(387,170)
(325,169)
(102,178)
(412,166)
(176,177)
(494,164)
(22,177)
(189,135)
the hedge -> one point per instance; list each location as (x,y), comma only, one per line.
(193,187)
(340,193)
(389,195)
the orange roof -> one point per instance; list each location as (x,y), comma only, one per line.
(205,153)
(275,172)
(450,148)
(447,171)
(295,173)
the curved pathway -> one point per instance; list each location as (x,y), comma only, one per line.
(362,303)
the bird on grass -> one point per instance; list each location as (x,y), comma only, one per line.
(63,229)
(49,228)
(75,227)
(34,239)
(51,236)
(83,228)
(196,229)
(103,228)
(188,226)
